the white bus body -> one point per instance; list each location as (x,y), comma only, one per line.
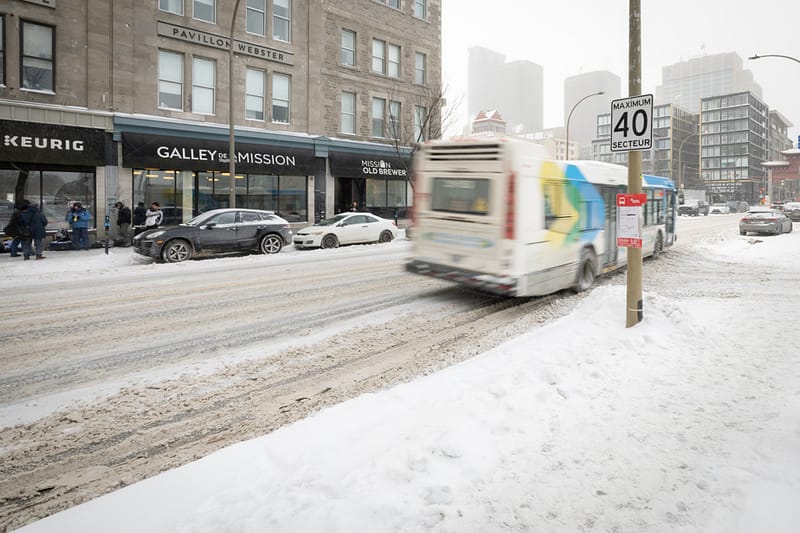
(496,214)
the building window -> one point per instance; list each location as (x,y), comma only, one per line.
(282,20)
(256,17)
(420,9)
(394,61)
(280,98)
(348,124)
(394,120)
(420,61)
(348,48)
(420,114)
(203,85)
(378,117)
(391,3)
(2,50)
(254,95)
(378,56)
(205,10)
(170,80)
(171,6)
(37,57)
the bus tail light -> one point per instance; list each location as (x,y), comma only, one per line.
(511,200)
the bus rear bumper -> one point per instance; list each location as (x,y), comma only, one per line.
(504,286)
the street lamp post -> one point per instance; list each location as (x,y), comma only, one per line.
(231,132)
(680,153)
(569,117)
(756,56)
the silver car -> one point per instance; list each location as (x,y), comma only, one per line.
(792,210)
(765,220)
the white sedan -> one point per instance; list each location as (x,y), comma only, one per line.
(346,228)
(719,209)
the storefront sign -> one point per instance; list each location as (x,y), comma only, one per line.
(30,142)
(359,166)
(213,40)
(176,153)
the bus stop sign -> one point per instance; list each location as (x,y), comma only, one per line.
(629,219)
(632,123)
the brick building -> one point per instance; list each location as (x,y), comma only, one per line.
(131,100)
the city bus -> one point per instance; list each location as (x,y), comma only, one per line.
(497,214)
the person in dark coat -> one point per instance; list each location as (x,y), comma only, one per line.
(123,221)
(34,220)
(14,227)
(139,218)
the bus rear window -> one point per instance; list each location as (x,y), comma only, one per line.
(458,195)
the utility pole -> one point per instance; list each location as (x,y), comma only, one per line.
(633,299)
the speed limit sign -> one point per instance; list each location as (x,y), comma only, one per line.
(632,123)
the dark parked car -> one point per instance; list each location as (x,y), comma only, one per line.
(693,208)
(217,231)
(765,220)
(792,210)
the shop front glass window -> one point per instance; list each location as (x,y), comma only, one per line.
(53,190)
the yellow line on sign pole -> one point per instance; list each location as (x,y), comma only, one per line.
(633,302)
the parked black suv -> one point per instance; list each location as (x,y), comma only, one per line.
(693,208)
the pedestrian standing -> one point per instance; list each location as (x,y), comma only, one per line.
(15,226)
(78,218)
(139,218)
(123,221)
(154,216)
(35,221)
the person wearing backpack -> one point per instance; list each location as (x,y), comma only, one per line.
(35,221)
(15,228)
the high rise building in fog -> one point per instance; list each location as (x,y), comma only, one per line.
(686,83)
(583,123)
(515,89)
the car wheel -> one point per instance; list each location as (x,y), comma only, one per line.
(271,244)
(330,241)
(386,236)
(177,251)
(742,232)
(586,271)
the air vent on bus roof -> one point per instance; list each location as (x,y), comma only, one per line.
(476,152)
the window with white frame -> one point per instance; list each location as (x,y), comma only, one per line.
(391,3)
(256,17)
(420,9)
(254,95)
(420,116)
(348,48)
(171,6)
(282,20)
(37,56)
(394,120)
(170,80)
(205,10)
(203,85)
(378,56)
(394,61)
(378,117)
(348,121)
(280,98)
(420,66)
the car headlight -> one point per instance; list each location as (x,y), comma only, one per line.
(155,234)
(318,232)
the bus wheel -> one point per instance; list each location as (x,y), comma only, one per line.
(586,271)
(659,247)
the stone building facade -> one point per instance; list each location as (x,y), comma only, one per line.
(327,96)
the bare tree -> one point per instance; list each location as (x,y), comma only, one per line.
(428,117)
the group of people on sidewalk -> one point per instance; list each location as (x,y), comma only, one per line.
(28,223)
